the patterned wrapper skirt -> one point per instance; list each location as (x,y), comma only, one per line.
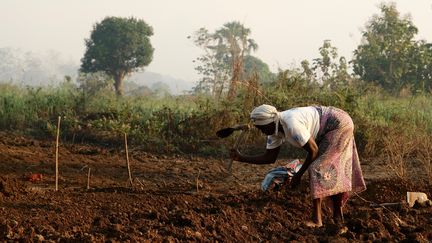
(337,168)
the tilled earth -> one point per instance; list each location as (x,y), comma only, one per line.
(182,198)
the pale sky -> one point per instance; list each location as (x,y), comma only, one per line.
(286,31)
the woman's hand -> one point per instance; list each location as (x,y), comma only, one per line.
(235,155)
(295,180)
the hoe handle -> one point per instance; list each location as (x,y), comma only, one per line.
(237,143)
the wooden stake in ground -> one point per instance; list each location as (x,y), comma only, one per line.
(88,178)
(56,156)
(127,160)
(197,180)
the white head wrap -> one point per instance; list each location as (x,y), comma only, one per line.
(265,114)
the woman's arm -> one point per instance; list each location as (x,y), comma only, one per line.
(269,157)
(312,148)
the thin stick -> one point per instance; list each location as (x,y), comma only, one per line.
(400,221)
(139,182)
(142,185)
(127,160)
(197,180)
(88,178)
(56,156)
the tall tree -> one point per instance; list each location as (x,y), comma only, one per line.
(118,47)
(213,68)
(225,51)
(330,69)
(307,72)
(386,55)
(421,73)
(234,38)
(326,63)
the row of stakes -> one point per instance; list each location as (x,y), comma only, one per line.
(89,169)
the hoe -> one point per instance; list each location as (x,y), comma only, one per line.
(225,132)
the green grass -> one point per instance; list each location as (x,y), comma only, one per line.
(415,110)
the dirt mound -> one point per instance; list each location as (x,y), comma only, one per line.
(182,199)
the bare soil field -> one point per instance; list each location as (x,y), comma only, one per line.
(179,198)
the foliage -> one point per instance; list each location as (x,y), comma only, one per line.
(254,65)
(389,56)
(325,64)
(233,40)
(214,70)
(330,69)
(35,110)
(118,46)
(222,65)
(421,73)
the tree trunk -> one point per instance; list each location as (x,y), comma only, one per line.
(118,83)
(236,75)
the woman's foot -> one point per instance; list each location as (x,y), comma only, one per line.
(311,224)
(342,230)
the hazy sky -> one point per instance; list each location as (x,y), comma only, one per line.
(286,31)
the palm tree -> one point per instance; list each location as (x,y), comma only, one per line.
(232,46)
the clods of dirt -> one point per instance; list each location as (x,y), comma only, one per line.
(177,199)
(10,187)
